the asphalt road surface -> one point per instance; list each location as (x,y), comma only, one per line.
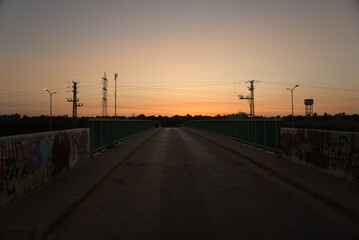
(180,186)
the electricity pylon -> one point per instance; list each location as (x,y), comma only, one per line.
(250,98)
(75,104)
(104,95)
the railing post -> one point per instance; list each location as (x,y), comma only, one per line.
(277,136)
(101,134)
(255,132)
(108,132)
(92,129)
(265,133)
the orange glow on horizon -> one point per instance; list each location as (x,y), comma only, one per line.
(169,62)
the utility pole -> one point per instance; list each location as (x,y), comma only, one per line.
(104,96)
(250,98)
(291,91)
(75,104)
(51,93)
(115,93)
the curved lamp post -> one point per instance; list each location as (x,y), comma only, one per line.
(291,91)
(47,90)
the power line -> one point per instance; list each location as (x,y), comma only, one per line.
(65,76)
(172,90)
(315,86)
(175,76)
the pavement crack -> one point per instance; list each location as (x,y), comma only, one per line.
(118,181)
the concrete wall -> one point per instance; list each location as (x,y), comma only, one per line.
(334,152)
(27,161)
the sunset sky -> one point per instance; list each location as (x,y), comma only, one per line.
(179,57)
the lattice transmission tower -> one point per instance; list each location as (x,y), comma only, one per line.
(250,98)
(116,75)
(75,104)
(104,95)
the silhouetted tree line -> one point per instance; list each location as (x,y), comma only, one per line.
(16,124)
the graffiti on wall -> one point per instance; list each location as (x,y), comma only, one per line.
(332,151)
(27,161)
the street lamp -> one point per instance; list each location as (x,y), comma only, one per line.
(47,90)
(291,91)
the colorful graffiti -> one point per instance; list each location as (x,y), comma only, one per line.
(334,152)
(27,161)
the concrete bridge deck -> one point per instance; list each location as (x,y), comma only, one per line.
(176,183)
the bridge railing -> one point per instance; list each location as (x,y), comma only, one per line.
(262,133)
(104,132)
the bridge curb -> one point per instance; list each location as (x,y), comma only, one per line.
(58,198)
(350,210)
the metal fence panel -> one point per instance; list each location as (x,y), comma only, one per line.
(262,133)
(104,132)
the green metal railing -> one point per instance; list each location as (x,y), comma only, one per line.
(104,132)
(262,133)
